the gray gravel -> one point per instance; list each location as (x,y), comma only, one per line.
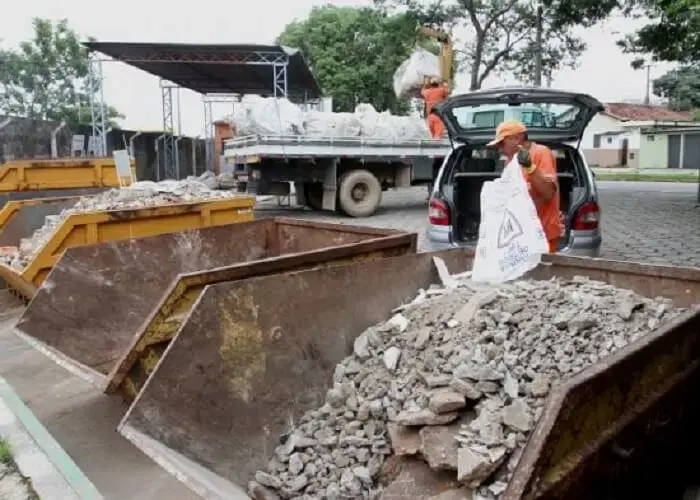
(441,399)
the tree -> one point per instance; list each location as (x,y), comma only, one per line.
(502,33)
(46,78)
(681,87)
(354,52)
(673,35)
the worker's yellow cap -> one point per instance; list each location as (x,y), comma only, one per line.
(508,128)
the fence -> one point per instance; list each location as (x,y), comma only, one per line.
(21,138)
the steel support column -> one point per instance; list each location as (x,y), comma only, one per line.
(97,106)
(208,135)
(280,79)
(169,161)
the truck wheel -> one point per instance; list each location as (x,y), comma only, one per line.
(313,192)
(359,193)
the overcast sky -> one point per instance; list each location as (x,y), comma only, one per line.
(604,71)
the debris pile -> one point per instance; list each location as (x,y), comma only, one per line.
(141,194)
(440,400)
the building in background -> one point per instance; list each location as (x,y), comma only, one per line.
(640,136)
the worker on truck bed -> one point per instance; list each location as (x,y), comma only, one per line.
(434,93)
(540,169)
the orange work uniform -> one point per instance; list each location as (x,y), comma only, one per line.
(433,96)
(548,211)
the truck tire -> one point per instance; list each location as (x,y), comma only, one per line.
(313,192)
(359,193)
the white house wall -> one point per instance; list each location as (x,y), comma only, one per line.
(599,124)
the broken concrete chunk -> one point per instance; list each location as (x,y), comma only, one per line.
(446,401)
(404,440)
(268,480)
(416,480)
(424,417)
(517,416)
(397,324)
(439,447)
(465,388)
(444,274)
(422,338)
(539,387)
(361,346)
(259,492)
(391,358)
(474,468)
(510,386)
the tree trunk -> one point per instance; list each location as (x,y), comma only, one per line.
(474,83)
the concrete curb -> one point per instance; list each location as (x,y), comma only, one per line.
(39,457)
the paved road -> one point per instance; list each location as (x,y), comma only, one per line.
(642,221)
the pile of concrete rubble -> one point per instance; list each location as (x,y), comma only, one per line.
(138,195)
(439,401)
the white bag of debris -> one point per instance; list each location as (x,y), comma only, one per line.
(511,239)
(268,116)
(414,70)
(323,124)
(386,126)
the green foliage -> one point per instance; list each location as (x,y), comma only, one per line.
(673,34)
(5,453)
(354,53)
(502,33)
(681,87)
(45,78)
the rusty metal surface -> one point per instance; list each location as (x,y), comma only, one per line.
(256,354)
(253,355)
(574,451)
(139,359)
(28,219)
(617,401)
(97,297)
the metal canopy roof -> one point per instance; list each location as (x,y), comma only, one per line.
(219,69)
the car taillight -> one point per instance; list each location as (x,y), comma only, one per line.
(438,213)
(587,217)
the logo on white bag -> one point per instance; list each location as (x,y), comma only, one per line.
(510,229)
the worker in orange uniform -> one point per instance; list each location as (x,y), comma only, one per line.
(539,167)
(434,93)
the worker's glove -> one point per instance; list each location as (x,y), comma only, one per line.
(524,158)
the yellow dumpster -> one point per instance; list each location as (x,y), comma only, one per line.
(88,228)
(59,173)
(25,179)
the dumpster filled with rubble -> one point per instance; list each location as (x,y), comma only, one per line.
(142,209)
(395,379)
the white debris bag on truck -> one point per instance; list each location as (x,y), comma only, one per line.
(323,124)
(511,239)
(260,116)
(414,70)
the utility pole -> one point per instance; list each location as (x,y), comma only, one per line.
(538,45)
(647,97)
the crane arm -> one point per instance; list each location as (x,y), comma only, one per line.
(446,50)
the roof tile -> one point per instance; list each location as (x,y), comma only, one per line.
(641,112)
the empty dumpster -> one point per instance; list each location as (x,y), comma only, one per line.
(109,309)
(25,179)
(85,228)
(253,356)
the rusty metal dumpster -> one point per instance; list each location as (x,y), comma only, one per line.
(253,355)
(110,309)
